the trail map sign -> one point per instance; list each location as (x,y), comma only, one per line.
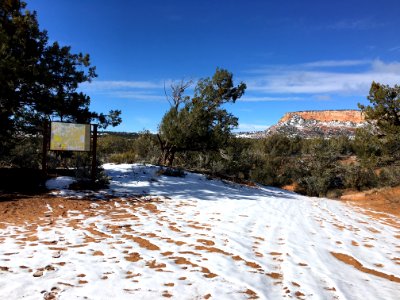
(70,137)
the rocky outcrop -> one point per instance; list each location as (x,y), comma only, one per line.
(324,123)
(354,116)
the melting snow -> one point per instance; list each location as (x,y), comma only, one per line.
(201,239)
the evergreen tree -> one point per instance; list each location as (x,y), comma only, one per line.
(384,108)
(38,80)
(199,123)
(385,111)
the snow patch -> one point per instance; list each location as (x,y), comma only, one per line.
(59,183)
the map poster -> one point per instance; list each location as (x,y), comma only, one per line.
(70,137)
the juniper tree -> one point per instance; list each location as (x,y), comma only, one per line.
(200,123)
(385,106)
(385,111)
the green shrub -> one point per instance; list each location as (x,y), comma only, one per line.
(317,170)
(360,178)
(273,171)
(389,176)
(129,148)
(319,183)
(122,158)
(25,153)
(146,147)
(110,144)
(367,145)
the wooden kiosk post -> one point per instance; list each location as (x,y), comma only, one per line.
(45,147)
(94,153)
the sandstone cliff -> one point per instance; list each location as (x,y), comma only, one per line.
(324,123)
(354,116)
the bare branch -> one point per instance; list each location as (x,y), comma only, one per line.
(178,89)
(166,95)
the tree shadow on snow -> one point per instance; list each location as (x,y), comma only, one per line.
(144,180)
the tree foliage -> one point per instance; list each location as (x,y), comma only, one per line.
(385,111)
(200,123)
(384,108)
(39,81)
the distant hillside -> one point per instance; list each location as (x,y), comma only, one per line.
(120,134)
(317,123)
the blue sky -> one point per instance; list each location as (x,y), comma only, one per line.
(293,55)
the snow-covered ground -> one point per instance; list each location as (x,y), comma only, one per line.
(201,239)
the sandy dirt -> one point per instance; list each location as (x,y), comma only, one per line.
(386,200)
(19,210)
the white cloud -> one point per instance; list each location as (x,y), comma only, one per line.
(301,80)
(251,127)
(269,99)
(311,81)
(104,85)
(135,90)
(320,64)
(391,68)
(137,95)
(336,63)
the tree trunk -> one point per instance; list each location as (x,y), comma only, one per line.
(167,153)
(168,156)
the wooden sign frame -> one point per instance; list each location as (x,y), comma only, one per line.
(93,148)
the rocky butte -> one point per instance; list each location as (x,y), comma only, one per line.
(354,116)
(319,123)
(315,123)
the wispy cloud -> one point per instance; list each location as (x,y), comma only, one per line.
(336,63)
(380,67)
(312,79)
(137,95)
(323,97)
(100,85)
(395,49)
(134,90)
(320,64)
